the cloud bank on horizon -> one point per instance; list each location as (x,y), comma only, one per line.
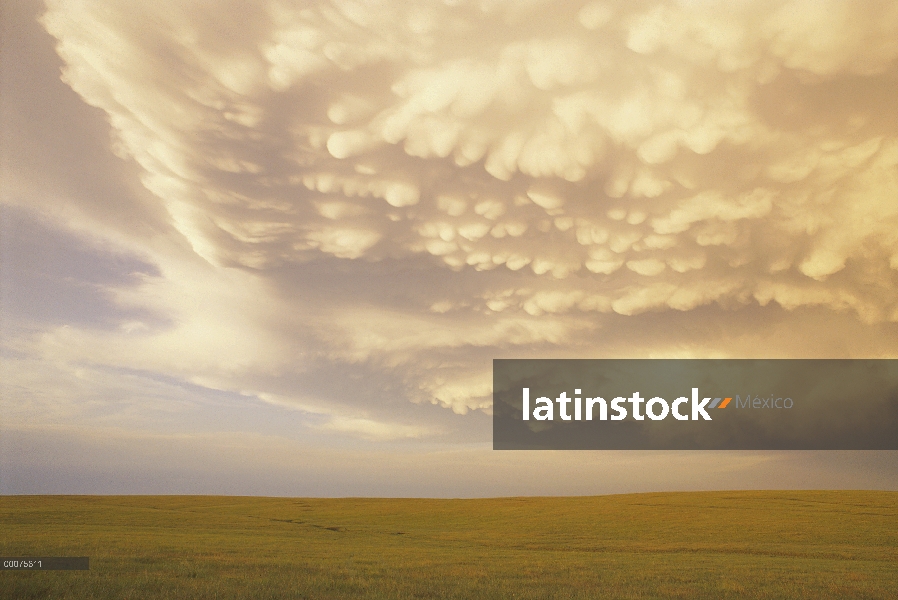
(386,195)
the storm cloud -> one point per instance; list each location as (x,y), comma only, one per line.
(352,207)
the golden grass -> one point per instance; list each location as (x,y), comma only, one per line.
(808,544)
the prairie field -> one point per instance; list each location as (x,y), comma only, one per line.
(759,544)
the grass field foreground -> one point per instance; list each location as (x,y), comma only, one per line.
(791,545)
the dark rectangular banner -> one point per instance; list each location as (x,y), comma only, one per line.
(45,563)
(695,404)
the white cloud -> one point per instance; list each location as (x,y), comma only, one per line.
(553,163)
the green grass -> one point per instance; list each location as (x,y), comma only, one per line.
(832,544)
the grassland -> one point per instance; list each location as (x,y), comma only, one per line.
(832,544)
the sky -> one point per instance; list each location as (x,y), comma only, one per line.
(272,247)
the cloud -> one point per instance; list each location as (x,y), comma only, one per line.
(414,188)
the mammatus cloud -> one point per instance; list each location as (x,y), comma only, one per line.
(414,188)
